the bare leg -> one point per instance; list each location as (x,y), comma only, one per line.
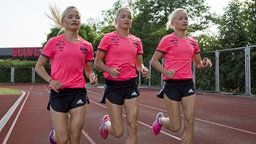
(173,121)
(188,104)
(115,126)
(60,125)
(132,109)
(77,116)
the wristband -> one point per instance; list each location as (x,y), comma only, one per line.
(50,80)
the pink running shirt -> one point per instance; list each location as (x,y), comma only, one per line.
(68,60)
(121,52)
(178,55)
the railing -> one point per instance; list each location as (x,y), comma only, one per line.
(227,63)
(218,77)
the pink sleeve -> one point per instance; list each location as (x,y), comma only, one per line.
(163,45)
(197,49)
(48,49)
(140,48)
(104,43)
(90,56)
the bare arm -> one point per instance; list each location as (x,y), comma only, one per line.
(90,73)
(99,64)
(157,65)
(141,68)
(41,62)
(202,63)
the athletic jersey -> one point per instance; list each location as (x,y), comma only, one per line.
(121,52)
(68,60)
(178,55)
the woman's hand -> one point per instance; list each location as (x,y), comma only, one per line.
(93,78)
(55,85)
(169,73)
(114,72)
(145,72)
(206,62)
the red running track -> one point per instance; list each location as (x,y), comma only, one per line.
(220,119)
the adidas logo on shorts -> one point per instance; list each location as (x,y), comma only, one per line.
(79,102)
(190,91)
(134,94)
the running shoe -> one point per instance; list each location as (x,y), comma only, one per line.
(156,127)
(103,127)
(51,136)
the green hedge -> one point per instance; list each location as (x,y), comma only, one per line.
(22,72)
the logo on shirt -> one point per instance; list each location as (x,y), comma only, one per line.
(115,40)
(135,43)
(83,50)
(60,44)
(193,44)
(174,42)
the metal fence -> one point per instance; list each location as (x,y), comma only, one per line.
(233,71)
(19,75)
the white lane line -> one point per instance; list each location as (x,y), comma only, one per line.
(88,137)
(9,113)
(229,127)
(15,120)
(46,88)
(160,131)
(142,123)
(83,132)
(138,121)
(209,122)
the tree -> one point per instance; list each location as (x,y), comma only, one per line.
(150,22)
(150,17)
(237,28)
(238,24)
(86,31)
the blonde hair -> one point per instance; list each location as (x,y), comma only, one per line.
(118,13)
(172,16)
(66,10)
(57,18)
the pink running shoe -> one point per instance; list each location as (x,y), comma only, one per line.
(103,129)
(51,136)
(156,127)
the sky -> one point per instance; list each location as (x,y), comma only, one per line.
(25,24)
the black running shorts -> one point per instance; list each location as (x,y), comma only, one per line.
(67,99)
(117,91)
(177,89)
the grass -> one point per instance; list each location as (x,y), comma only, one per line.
(6,91)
